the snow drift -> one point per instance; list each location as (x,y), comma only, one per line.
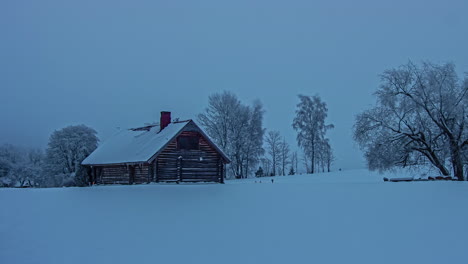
(342,217)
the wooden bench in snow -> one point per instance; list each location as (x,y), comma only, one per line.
(401,179)
(430,178)
(440,178)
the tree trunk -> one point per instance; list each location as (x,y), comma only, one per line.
(274,165)
(247,166)
(312,165)
(435,160)
(282,167)
(313,159)
(457,163)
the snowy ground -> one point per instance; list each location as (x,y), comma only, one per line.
(342,217)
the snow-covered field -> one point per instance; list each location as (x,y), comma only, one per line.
(341,217)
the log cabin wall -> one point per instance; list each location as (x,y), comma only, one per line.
(194,165)
(141,173)
(124,174)
(113,175)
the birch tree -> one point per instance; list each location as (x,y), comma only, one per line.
(218,117)
(294,161)
(328,155)
(254,139)
(284,156)
(273,142)
(311,128)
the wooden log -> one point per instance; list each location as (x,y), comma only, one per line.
(131,178)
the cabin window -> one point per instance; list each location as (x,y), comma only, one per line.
(187,142)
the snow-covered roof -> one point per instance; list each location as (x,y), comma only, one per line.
(134,146)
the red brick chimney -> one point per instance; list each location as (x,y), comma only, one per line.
(165,119)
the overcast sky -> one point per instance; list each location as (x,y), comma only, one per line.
(109,64)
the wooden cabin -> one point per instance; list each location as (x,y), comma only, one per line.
(166,152)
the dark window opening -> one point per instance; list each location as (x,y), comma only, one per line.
(187,142)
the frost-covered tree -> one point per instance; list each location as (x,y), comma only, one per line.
(273,142)
(420,117)
(311,129)
(67,148)
(8,156)
(20,167)
(237,129)
(218,118)
(238,140)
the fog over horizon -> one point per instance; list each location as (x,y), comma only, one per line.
(118,64)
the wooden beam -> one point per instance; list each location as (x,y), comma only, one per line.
(179,168)
(222,172)
(100,175)
(131,178)
(93,176)
(150,173)
(156,170)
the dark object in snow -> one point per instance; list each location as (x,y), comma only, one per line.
(430,178)
(259,172)
(166,152)
(272,180)
(441,178)
(401,179)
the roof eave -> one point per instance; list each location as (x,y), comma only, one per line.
(115,164)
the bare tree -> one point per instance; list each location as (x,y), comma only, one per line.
(294,161)
(266,164)
(284,156)
(328,155)
(305,159)
(273,142)
(237,129)
(420,116)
